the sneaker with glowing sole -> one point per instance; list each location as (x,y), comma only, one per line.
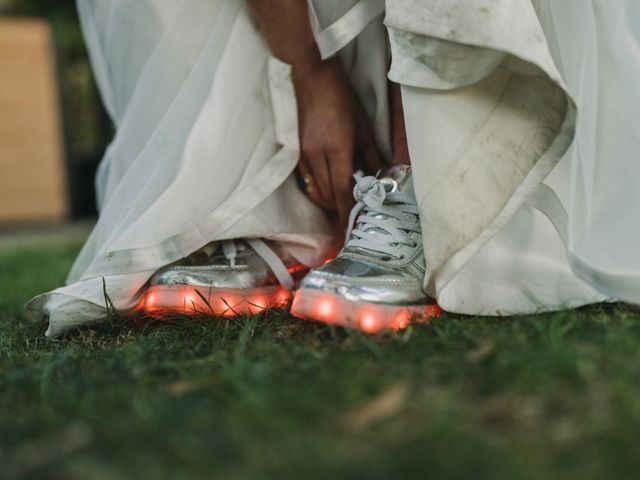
(227,279)
(375,282)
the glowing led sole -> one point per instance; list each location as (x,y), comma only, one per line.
(164,300)
(368,317)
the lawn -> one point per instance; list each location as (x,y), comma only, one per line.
(548,396)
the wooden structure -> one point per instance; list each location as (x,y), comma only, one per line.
(32,170)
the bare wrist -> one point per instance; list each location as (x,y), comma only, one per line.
(309,72)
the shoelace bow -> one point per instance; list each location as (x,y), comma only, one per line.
(382,219)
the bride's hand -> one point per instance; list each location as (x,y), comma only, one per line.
(333,127)
(333,130)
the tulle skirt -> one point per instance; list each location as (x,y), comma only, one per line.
(520,120)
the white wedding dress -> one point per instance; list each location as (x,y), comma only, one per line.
(521,119)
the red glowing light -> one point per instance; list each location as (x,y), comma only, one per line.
(189,300)
(368,323)
(282,297)
(230,300)
(424,316)
(151,300)
(229,305)
(258,301)
(326,308)
(222,302)
(401,320)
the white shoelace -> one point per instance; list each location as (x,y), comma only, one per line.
(382,219)
(275,263)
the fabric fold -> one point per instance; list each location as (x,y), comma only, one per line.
(484,73)
(345,29)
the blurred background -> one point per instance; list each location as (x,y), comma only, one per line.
(53,129)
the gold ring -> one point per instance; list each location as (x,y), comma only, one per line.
(309,182)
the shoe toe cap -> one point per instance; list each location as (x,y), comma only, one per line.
(211,278)
(366,283)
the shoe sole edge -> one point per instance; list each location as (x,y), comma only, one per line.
(323,307)
(164,300)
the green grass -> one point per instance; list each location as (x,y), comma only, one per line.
(548,396)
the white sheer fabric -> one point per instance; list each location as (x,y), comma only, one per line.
(559,241)
(205,145)
(207,140)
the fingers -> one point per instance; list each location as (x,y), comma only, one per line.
(316,176)
(331,176)
(330,181)
(328,162)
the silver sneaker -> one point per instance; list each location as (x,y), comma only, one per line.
(375,282)
(228,278)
